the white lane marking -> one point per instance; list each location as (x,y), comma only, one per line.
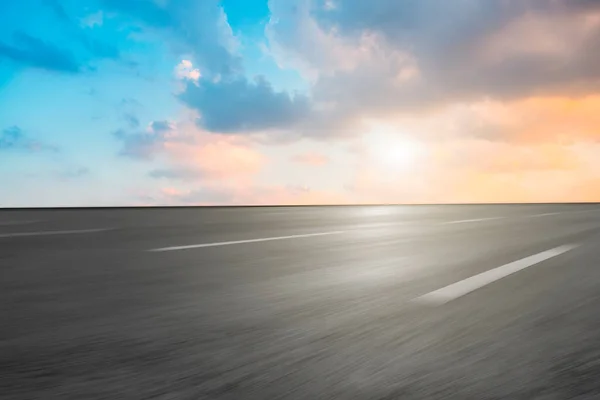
(459,289)
(545,215)
(7,223)
(466,221)
(49,233)
(198,246)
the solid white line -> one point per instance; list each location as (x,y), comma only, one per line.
(197,246)
(465,221)
(49,233)
(458,289)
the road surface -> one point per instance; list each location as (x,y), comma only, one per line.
(407,302)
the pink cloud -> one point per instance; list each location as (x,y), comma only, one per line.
(192,154)
(171,192)
(314,159)
(289,195)
(216,158)
(250,194)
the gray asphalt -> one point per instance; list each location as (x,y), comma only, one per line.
(90,312)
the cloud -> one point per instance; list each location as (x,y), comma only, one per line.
(215,85)
(313,159)
(216,158)
(551,119)
(176,173)
(77,48)
(532,120)
(290,195)
(194,26)
(31,51)
(461,171)
(386,57)
(297,41)
(476,170)
(145,144)
(237,105)
(95,47)
(132,120)
(219,194)
(199,196)
(509,158)
(190,154)
(162,127)
(129,110)
(185,70)
(500,94)
(129,102)
(15,139)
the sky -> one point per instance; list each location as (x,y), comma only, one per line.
(235,102)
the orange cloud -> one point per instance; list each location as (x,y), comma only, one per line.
(501,157)
(475,170)
(557,119)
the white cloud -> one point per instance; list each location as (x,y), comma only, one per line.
(185,70)
(297,41)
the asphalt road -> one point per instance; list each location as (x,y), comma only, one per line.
(413,302)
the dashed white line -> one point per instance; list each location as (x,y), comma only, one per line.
(545,215)
(50,233)
(459,289)
(198,246)
(467,221)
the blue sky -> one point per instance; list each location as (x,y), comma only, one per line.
(167,102)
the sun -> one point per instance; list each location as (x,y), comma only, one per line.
(393,150)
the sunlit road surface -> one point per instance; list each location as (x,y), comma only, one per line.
(424,302)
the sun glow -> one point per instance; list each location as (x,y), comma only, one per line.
(393,150)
